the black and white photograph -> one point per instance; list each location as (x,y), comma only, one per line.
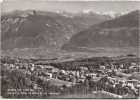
(53,49)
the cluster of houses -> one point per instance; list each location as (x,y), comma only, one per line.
(112,78)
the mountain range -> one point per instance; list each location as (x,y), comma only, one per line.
(119,32)
(39,29)
(111,14)
(42,33)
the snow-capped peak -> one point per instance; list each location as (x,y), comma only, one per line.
(64,13)
(87,11)
(112,14)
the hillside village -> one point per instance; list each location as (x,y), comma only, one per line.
(118,76)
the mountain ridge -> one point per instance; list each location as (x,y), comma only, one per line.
(119,32)
(34,29)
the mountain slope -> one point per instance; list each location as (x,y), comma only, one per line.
(37,29)
(119,32)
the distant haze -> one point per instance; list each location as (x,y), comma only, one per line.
(71,6)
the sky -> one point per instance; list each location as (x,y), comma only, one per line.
(70,6)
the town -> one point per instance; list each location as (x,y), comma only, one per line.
(116,76)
